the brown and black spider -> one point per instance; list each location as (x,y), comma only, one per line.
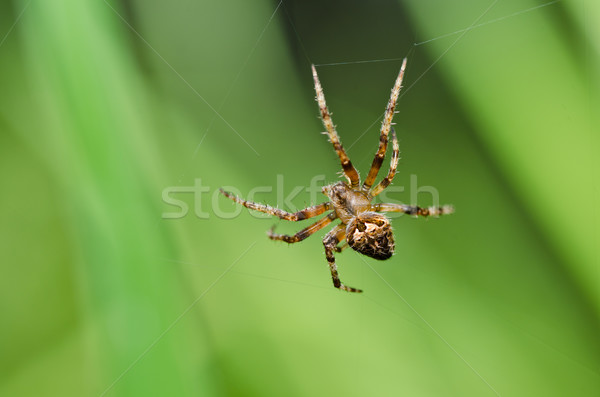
(364,229)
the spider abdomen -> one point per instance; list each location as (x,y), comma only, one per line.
(371,234)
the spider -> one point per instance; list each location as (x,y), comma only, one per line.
(361,225)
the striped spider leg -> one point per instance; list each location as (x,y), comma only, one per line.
(386,125)
(362,225)
(349,170)
(330,242)
(306,213)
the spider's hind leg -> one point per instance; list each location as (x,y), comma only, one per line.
(330,242)
(304,233)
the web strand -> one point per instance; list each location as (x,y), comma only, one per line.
(431,66)
(464,30)
(296,33)
(363,61)
(229,91)
(487,23)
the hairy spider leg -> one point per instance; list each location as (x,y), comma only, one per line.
(385,182)
(306,213)
(330,242)
(347,166)
(386,125)
(304,233)
(413,209)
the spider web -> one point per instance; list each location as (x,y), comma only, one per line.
(280,8)
(456,35)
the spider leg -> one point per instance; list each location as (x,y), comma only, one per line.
(413,209)
(306,213)
(385,182)
(330,242)
(385,129)
(304,233)
(347,166)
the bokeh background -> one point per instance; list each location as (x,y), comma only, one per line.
(104,105)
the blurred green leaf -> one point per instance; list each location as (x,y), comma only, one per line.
(107,104)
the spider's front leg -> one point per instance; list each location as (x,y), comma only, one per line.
(306,213)
(386,125)
(330,242)
(385,182)
(349,170)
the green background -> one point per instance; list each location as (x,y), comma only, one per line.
(105,104)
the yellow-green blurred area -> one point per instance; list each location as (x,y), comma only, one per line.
(112,109)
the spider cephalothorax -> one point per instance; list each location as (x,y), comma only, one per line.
(363,228)
(367,232)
